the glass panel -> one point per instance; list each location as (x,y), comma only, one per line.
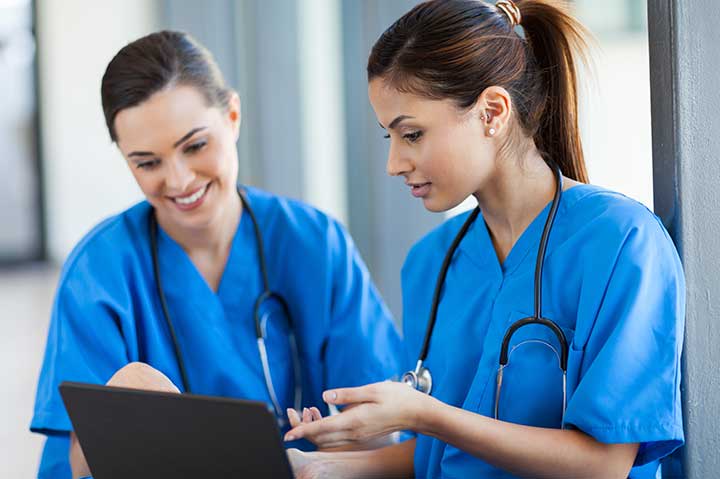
(19,215)
(615,97)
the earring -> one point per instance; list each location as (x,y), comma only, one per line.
(233,115)
(491,132)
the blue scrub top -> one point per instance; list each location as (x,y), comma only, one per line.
(612,281)
(107,314)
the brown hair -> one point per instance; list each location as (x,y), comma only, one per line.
(154,62)
(455,49)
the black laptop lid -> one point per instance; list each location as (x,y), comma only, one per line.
(144,434)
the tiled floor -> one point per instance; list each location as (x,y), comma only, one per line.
(25,301)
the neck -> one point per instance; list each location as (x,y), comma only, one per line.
(212,239)
(514,196)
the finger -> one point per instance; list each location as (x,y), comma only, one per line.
(350,395)
(316,414)
(307,415)
(293,417)
(312,429)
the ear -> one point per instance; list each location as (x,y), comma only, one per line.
(494,106)
(234,113)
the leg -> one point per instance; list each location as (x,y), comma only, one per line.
(134,375)
(142,376)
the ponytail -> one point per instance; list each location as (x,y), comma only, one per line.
(554,37)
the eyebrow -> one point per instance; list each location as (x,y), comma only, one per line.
(395,122)
(175,145)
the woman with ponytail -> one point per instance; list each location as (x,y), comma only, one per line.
(481,99)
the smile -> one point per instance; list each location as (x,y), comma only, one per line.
(187,200)
(193,200)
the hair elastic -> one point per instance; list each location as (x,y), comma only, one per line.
(511,11)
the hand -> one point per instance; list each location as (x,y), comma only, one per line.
(374,410)
(318,465)
(302,463)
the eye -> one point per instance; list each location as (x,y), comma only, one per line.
(413,137)
(386,136)
(149,165)
(195,147)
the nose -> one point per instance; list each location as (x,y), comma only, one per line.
(179,176)
(398,163)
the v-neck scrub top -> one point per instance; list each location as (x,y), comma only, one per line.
(107,314)
(612,281)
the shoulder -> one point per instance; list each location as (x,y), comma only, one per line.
(605,215)
(605,220)
(108,244)
(609,209)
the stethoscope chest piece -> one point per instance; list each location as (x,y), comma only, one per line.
(420,378)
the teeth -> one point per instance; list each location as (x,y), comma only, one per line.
(192,198)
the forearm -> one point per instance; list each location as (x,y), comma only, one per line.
(394,461)
(526,451)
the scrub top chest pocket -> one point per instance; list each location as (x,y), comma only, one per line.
(533,389)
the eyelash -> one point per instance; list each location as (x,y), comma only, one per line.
(149,165)
(195,147)
(410,137)
(190,150)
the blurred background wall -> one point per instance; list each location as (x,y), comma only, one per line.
(308,132)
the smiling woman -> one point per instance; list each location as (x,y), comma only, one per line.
(187,168)
(190,289)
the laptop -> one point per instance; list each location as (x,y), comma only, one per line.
(145,434)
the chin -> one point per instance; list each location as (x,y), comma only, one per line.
(441,205)
(200,221)
(196,219)
(435,206)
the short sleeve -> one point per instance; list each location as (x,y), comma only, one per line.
(628,364)
(363,345)
(84,343)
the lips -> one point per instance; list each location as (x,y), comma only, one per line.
(419,190)
(192,200)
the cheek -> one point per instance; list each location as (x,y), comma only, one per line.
(219,159)
(469,158)
(150,184)
(226,162)
(446,160)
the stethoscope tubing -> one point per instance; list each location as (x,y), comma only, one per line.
(420,377)
(266,295)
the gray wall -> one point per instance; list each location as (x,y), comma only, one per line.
(251,57)
(685,68)
(384,219)
(20,215)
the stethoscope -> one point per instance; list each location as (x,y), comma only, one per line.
(260,315)
(421,379)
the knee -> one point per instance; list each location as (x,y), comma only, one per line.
(138,375)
